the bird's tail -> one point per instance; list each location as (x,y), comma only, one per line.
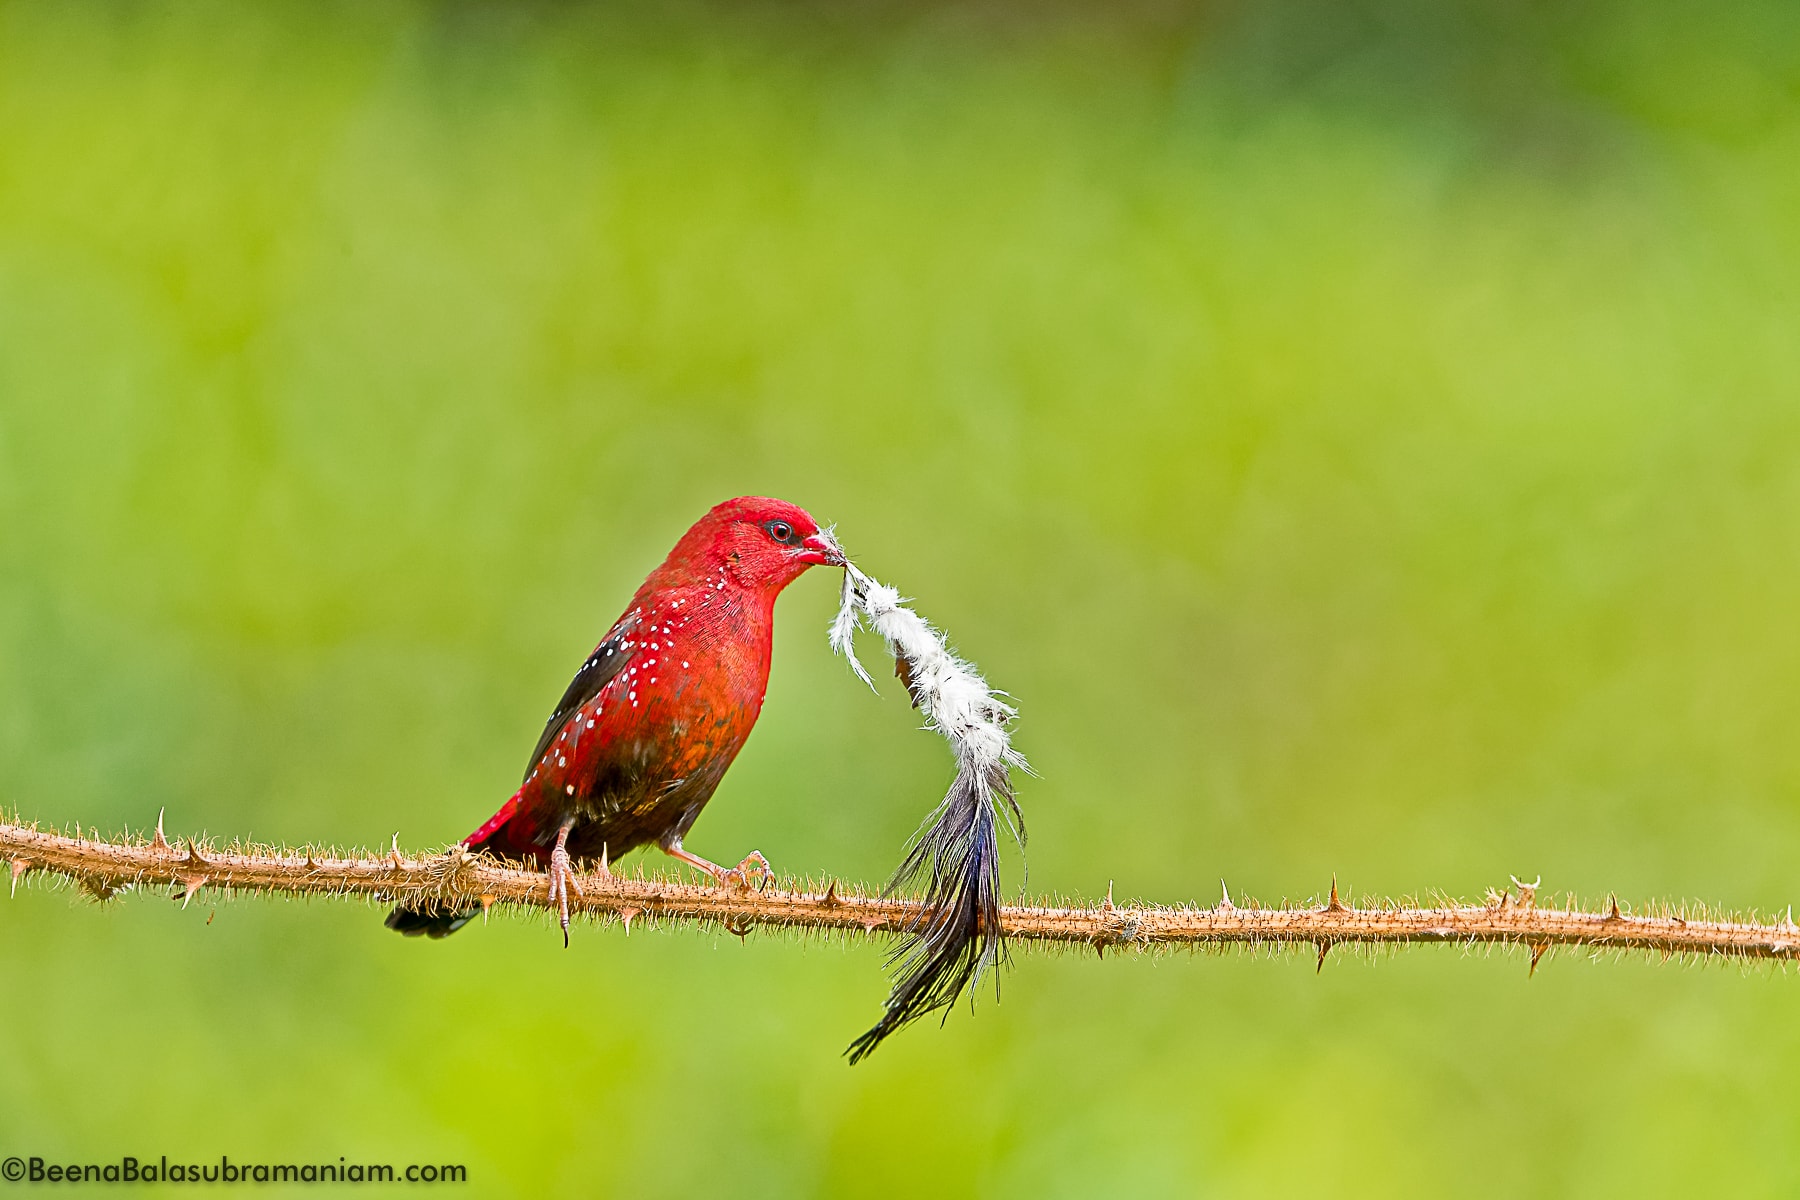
(434,920)
(958,938)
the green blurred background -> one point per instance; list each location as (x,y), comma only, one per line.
(1364,436)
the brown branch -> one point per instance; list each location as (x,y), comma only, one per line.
(105,867)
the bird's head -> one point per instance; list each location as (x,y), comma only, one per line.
(756,542)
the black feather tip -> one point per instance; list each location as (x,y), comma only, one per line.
(432,920)
(956,856)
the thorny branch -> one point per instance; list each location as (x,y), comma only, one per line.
(1511,917)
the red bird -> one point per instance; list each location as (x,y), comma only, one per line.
(655,715)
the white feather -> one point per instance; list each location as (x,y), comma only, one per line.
(955,699)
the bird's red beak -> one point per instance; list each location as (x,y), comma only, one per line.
(821,550)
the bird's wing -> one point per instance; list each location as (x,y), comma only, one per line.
(601,667)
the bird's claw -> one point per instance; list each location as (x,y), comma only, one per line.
(754,866)
(562,878)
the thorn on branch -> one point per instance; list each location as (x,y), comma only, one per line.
(831,896)
(1225,904)
(1325,945)
(394,855)
(626,916)
(1537,952)
(1107,906)
(190,885)
(159,842)
(19,867)
(1612,908)
(194,857)
(1333,905)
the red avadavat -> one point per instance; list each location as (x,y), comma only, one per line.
(655,715)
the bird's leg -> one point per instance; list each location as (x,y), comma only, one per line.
(562,876)
(754,864)
(674,850)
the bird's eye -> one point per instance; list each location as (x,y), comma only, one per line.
(781,531)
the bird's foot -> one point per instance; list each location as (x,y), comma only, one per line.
(562,878)
(754,866)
